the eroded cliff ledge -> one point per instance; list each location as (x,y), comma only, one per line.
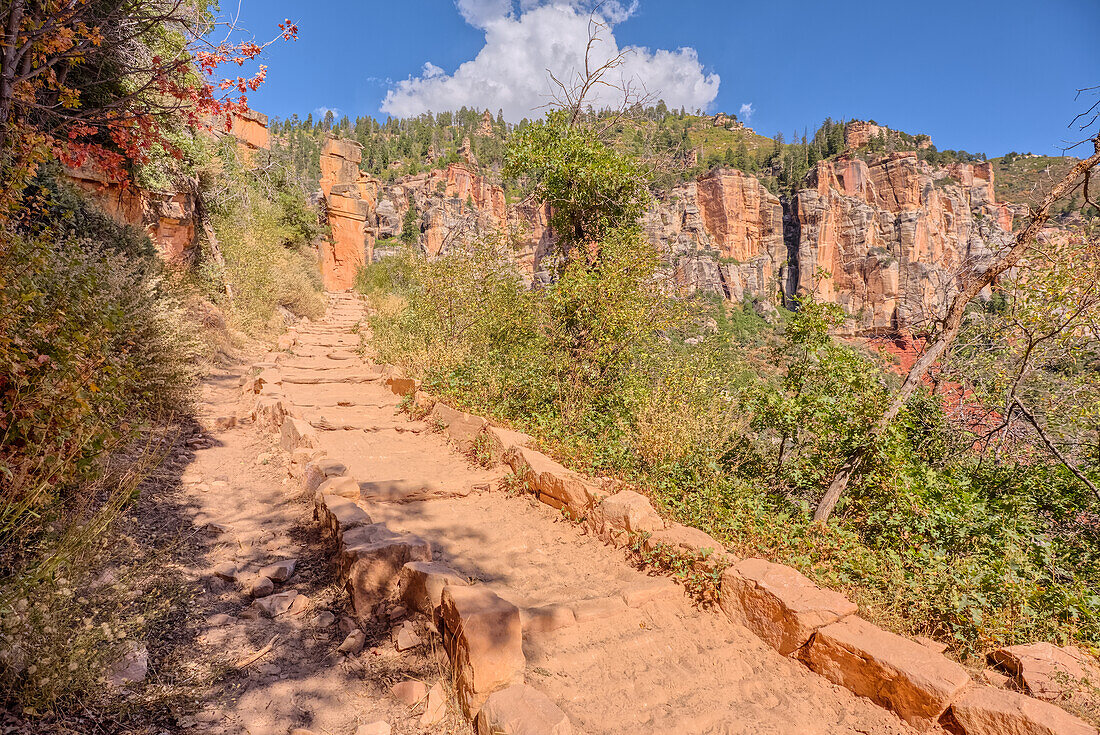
(892,234)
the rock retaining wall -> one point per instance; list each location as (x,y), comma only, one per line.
(798,618)
(483,634)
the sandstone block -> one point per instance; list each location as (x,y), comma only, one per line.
(319,470)
(399,384)
(279,571)
(338,515)
(353,643)
(987,711)
(888,669)
(484,639)
(521,710)
(421,584)
(779,604)
(275,605)
(623,514)
(681,539)
(409,692)
(345,487)
(407,638)
(132,668)
(435,709)
(461,428)
(297,434)
(1051,672)
(269,411)
(555,485)
(500,441)
(373,557)
(259,586)
(228,571)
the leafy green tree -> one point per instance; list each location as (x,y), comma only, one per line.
(410,226)
(591,188)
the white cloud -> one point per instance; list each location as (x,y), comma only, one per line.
(746,111)
(479,13)
(320,112)
(510,71)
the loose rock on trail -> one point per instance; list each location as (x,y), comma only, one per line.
(614,649)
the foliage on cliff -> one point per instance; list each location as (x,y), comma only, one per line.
(735,426)
(265,232)
(108,82)
(674,146)
(98,351)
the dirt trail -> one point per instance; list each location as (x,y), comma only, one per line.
(235,511)
(617,650)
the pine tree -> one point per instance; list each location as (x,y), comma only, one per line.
(410,226)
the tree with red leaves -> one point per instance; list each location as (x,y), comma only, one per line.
(102,81)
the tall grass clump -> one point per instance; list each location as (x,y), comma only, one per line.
(93,351)
(266,233)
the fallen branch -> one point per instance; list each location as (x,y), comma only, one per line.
(249,660)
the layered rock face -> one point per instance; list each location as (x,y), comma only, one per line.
(250,130)
(168,218)
(455,204)
(859,133)
(893,236)
(723,234)
(350,198)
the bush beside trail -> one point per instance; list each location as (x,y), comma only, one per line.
(736,425)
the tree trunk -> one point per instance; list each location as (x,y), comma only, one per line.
(970,288)
(211,238)
(8,63)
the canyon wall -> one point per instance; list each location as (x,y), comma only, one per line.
(350,198)
(454,204)
(722,234)
(892,235)
(168,217)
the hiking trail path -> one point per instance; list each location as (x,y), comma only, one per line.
(618,650)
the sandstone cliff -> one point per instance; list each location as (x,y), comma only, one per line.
(167,217)
(350,199)
(455,204)
(722,234)
(892,235)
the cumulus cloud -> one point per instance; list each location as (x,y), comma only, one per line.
(746,111)
(480,13)
(510,71)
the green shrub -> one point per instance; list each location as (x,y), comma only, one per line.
(92,349)
(734,425)
(266,232)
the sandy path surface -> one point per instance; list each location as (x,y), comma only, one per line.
(235,511)
(617,650)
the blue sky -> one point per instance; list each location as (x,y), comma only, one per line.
(980,75)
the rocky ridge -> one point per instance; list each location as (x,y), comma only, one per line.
(169,218)
(893,234)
